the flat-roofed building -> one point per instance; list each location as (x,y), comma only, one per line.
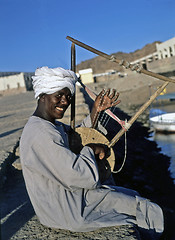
(162,61)
(12,81)
(86,75)
(166,49)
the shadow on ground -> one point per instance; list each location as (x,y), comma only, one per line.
(16,208)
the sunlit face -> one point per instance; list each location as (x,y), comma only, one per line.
(55,104)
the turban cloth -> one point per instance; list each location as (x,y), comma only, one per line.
(50,80)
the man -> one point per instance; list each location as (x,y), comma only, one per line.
(64,188)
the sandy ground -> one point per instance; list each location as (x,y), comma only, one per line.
(18,220)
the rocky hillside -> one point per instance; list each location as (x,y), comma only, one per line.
(100,64)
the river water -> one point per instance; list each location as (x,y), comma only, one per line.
(167,141)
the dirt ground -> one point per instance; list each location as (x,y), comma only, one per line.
(18,220)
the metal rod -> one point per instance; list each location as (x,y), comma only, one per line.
(138,113)
(124,63)
(73,68)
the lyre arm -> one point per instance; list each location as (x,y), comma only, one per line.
(73,68)
(138,113)
(123,62)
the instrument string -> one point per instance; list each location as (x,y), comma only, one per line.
(98,138)
(105,117)
(95,118)
(96,115)
(124,159)
(102,117)
(112,109)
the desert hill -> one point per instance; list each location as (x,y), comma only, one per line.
(100,64)
(135,88)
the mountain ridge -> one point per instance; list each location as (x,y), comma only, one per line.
(100,64)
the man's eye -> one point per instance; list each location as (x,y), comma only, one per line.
(69,97)
(58,96)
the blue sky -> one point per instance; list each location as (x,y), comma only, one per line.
(33,32)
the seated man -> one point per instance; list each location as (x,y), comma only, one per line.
(64,187)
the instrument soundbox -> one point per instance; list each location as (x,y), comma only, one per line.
(83,136)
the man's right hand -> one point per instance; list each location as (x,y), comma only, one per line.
(101,151)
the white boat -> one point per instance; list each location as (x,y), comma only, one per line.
(163,122)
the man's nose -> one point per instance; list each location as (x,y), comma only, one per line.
(64,100)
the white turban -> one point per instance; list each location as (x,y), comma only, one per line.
(50,80)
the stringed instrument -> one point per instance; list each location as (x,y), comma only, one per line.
(91,135)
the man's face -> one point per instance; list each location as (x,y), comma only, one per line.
(56,104)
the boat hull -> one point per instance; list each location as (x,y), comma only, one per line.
(163,122)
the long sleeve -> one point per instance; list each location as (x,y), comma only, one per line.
(49,155)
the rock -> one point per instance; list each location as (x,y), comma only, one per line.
(17,164)
(34,230)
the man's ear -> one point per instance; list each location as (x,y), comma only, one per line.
(42,98)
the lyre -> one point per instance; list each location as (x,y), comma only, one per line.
(137,114)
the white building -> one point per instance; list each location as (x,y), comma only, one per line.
(12,81)
(163,50)
(166,49)
(86,75)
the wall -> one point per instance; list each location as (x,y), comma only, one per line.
(12,82)
(163,65)
(161,61)
(86,75)
(166,49)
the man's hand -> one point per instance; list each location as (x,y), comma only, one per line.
(102,102)
(106,99)
(101,151)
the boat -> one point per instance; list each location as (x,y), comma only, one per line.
(164,122)
(160,120)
